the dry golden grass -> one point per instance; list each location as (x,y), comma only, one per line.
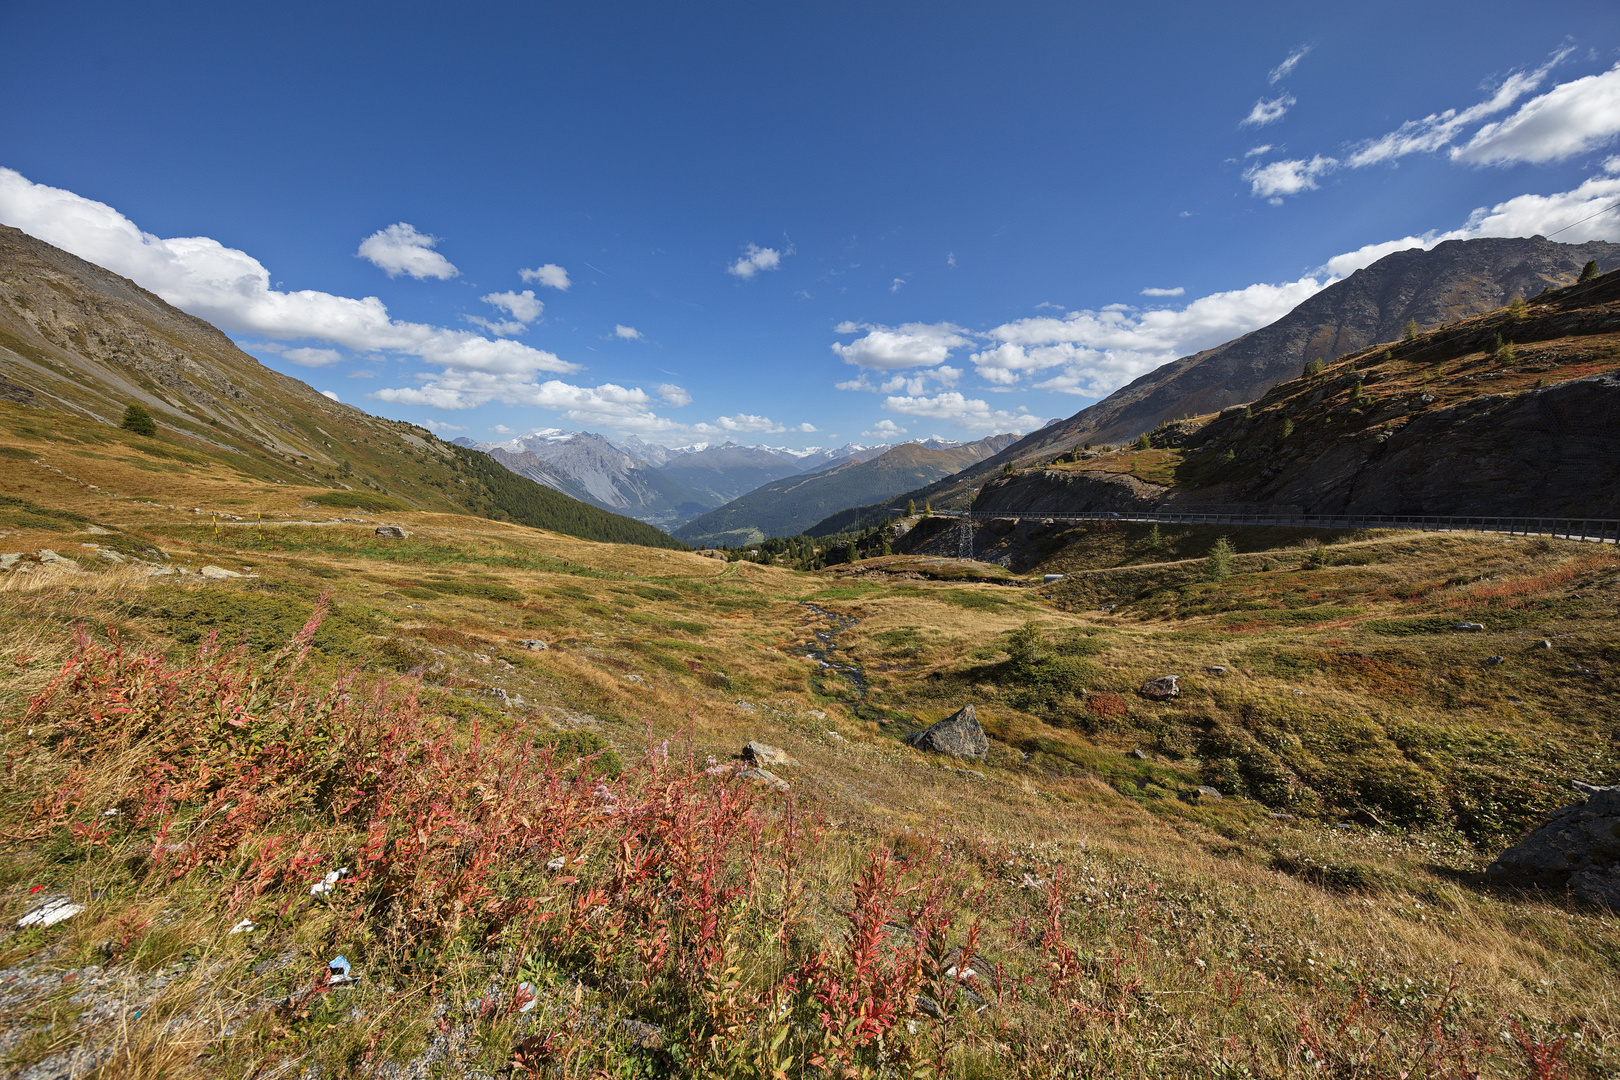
(653,644)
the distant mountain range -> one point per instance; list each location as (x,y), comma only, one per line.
(1452,281)
(662,486)
(793,505)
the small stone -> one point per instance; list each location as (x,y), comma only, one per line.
(9,559)
(1140,755)
(218,573)
(765,754)
(1492,660)
(1049,578)
(246,926)
(764,778)
(328,884)
(642,1036)
(97,530)
(1471,627)
(534,645)
(958,735)
(1279,815)
(51,559)
(50,912)
(108,555)
(556,864)
(1204,793)
(391,532)
(1217,670)
(1162,688)
(1543,645)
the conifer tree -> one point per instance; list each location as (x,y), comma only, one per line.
(138,420)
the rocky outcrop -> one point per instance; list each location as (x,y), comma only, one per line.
(958,735)
(1576,849)
(1053,491)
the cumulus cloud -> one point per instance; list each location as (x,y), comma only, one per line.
(500,429)
(1288,177)
(910,345)
(756,258)
(1286,68)
(895,287)
(628,333)
(674,395)
(1268,111)
(970,414)
(884,429)
(1177,291)
(914,382)
(550,275)
(522,307)
(303,357)
(400,249)
(1567,120)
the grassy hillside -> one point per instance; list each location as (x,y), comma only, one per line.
(790,506)
(79,344)
(569,826)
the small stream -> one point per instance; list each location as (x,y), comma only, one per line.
(822,650)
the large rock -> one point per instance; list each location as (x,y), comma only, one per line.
(1162,689)
(1577,848)
(958,735)
(765,754)
(391,532)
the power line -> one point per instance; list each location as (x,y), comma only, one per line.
(1583,220)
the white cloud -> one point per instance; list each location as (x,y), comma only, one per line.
(674,395)
(400,249)
(1571,118)
(1286,68)
(550,275)
(500,429)
(628,333)
(1439,129)
(1288,177)
(1177,291)
(968,413)
(523,307)
(1256,151)
(329,394)
(899,281)
(884,429)
(1268,112)
(805,428)
(755,259)
(305,357)
(910,345)
(437,426)
(231,289)
(950,259)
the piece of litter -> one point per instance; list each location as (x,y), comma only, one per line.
(528,997)
(328,884)
(246,926)
(340,972)
(56,909)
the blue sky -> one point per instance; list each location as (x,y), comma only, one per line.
(790,225)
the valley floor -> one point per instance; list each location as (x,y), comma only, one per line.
(497,771)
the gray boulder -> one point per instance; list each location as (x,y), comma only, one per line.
(1471,627)
(764,778)
(1162,689)
(392,532)
(958,735)
(1577,848)
(765,754)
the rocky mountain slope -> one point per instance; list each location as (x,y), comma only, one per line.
(1506,414)
(1455,280)
(791,506)
(78,340)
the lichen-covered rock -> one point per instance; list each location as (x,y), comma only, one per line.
(1162,689)
(765,754)
(391,532)
(958,735)
(764,778)
(1577,848)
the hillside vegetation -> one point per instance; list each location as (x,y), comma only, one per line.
(78,345)
(546,861)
